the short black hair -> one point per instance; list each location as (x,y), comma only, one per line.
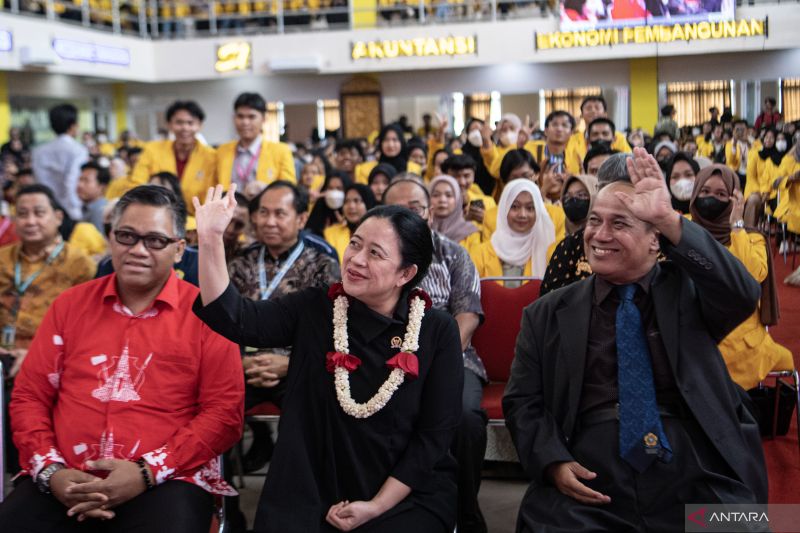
(251,100)
(63,117)
(514,159)
(594,98)
(560,113)
(134,150)
(601,120)
(25,171)
(594,151)
(414,234)
(771,101)
(38,188)
(190,106)
(299,196)
(459,162)
(741,121)
(416,142)
(667,110)
(156,196)
(349,144)
(103,175)
(419,184)
(241,199)
(173,180)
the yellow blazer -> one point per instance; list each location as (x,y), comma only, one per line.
(471,242)
(760,175)
(86,238)
(362,170)
(199,174)
(734,159)
(576,150)
(749,350)
(788,210)
(338,236)
(120,186)
(488,264)
(493,158)
(274,163)
(556,213)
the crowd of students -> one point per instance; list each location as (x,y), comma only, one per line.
(508,200)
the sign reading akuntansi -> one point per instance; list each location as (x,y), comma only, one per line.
(690,31)
(419,47)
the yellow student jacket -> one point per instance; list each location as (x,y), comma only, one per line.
(749,351)
(576,150)
(760,175)
(338,236)
(199,174)
(788,210)
(274,163)
(488,264)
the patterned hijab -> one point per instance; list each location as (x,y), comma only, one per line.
(453,226)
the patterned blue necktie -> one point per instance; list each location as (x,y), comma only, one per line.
(641,435)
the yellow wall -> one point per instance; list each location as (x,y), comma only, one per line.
(644,93)
(364,15)
(120,106)
(5,109)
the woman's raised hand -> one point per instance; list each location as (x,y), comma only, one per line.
(214,215)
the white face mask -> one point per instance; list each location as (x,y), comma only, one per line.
(509,138)
(308,158)
(780,145)
(682,189)
(475,138)
(696,132)
(334,199)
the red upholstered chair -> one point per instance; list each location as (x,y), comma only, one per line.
(264,412)
(495,339)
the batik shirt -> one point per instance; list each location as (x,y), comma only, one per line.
(101,382)
(454,286)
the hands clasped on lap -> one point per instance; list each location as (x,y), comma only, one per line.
(89,496)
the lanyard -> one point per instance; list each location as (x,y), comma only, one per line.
(22,286)
(243,176)
(266,291)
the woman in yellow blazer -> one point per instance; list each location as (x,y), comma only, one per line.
(193,162)
(358,199)
(788,210)
(717,205)
(761,167)
(448,215)
(393,150)
(524,235)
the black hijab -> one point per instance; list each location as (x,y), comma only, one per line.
(400,161)
(680,205)
(772,152)
(321,215)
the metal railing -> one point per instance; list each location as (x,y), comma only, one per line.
(190,18)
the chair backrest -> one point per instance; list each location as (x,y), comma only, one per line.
(494,340)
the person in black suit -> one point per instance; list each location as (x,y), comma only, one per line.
(568,403)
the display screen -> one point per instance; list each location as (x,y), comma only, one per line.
(582,14)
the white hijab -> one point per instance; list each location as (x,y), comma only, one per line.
(519,248)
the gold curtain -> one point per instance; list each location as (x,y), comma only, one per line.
(330,109)
(479,105)
(692,100)
(271,129)
(568,100)
(790,96)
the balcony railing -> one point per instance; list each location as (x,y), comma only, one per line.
(191,18)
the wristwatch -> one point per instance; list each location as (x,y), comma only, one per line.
(43,479)
(739,224)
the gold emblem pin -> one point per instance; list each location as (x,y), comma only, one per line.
(650,440)
(397,342)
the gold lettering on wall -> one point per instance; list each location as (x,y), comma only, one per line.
(419,47)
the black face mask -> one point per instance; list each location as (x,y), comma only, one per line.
(664,164)
(597,145)
(576,209)
(710,208)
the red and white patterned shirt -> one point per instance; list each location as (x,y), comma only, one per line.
(102,383)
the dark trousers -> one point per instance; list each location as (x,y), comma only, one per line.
(469,447)
(651,501)
(174,507)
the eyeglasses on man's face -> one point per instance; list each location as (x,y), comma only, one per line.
(151,242)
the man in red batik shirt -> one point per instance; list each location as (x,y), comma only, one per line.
(126,398)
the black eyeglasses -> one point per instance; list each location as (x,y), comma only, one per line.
(151,242)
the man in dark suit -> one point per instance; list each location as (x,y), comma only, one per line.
(619,403)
